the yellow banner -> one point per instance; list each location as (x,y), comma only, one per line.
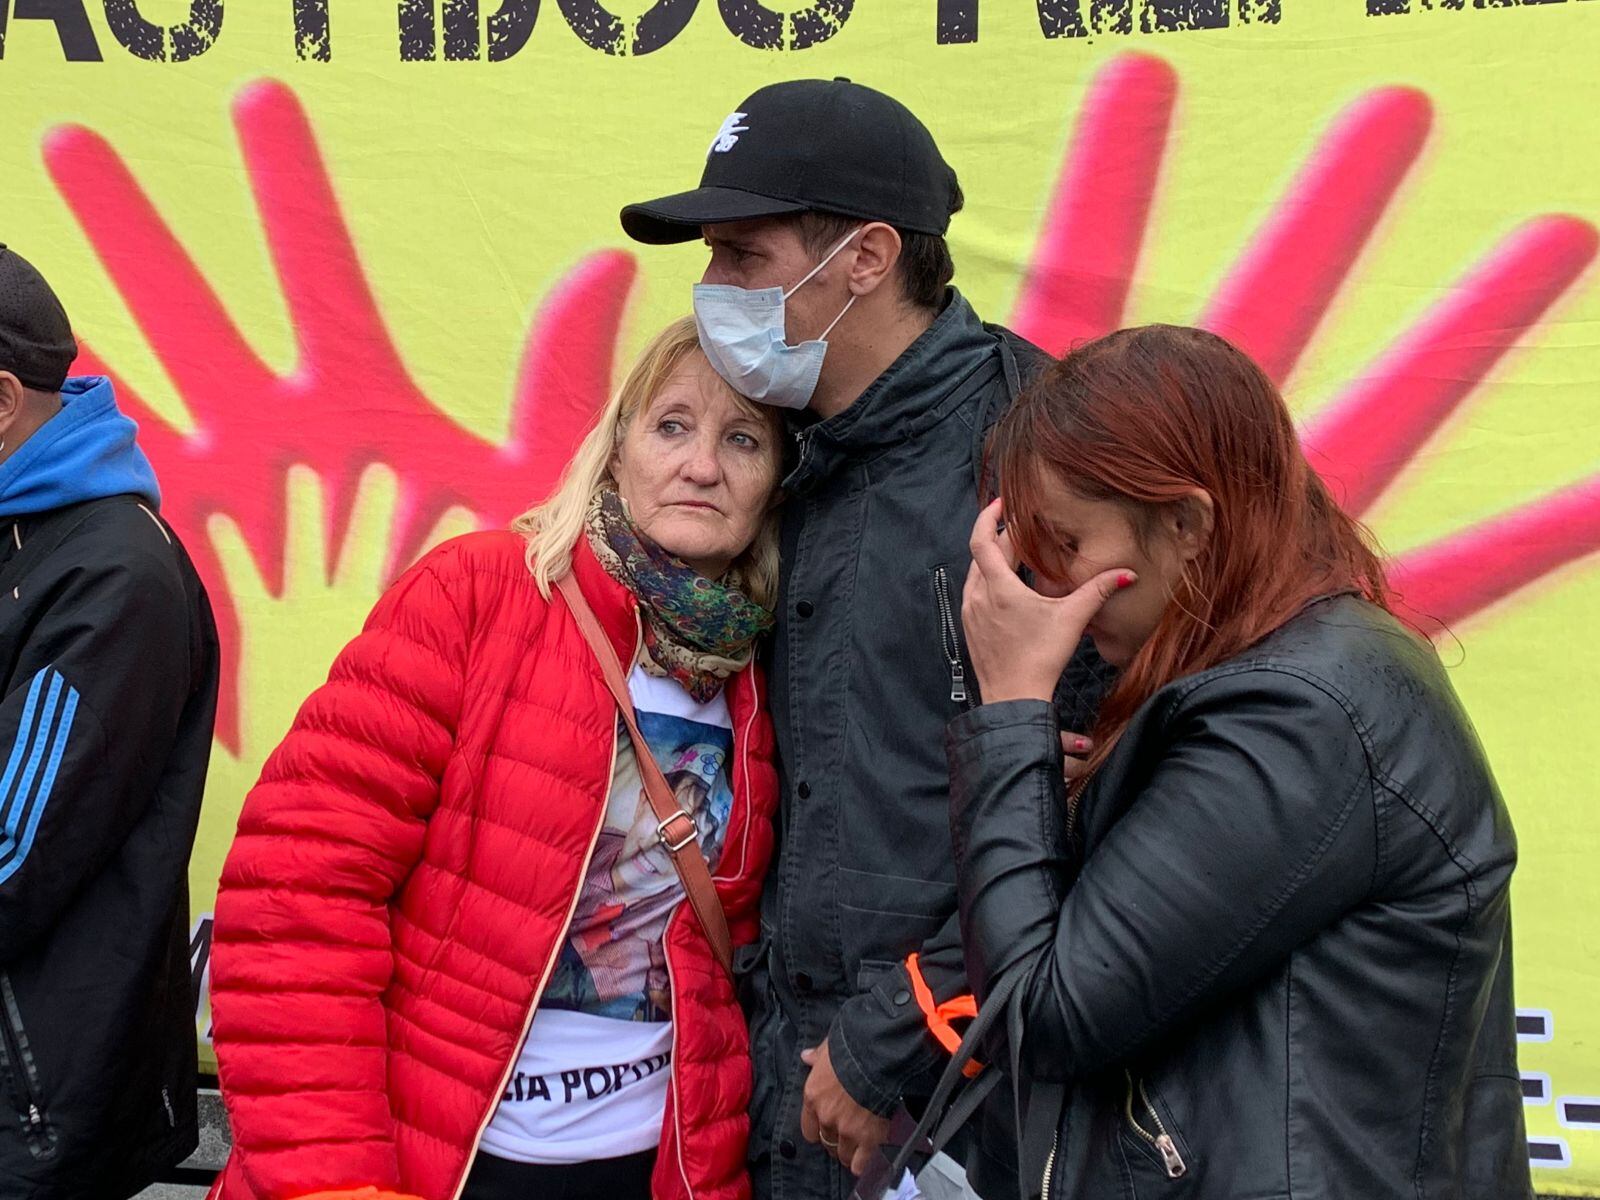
(356,268)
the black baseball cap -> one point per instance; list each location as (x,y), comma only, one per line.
(36,342)
(810,145)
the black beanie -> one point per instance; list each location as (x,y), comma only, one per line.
(36,342)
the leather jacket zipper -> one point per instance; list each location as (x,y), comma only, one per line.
(25,1072)
(1050,1165)
(950,631)
(1160,1141)
(1074,800)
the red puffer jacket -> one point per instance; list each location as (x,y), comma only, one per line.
(402,881)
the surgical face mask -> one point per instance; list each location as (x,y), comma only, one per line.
(742,333)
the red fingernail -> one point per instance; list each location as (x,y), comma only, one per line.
(1081,744)
(1125,580)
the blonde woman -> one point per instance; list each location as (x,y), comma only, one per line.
(442,966)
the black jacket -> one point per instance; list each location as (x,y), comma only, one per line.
(868,665)
(1279,961)
(108,672)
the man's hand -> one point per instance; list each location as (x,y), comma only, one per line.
(844,1129)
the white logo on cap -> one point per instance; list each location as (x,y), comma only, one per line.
(728,136)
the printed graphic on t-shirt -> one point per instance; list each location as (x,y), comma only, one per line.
(613,964)
(592,1076)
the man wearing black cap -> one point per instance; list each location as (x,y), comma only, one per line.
(825,205)
(108,688)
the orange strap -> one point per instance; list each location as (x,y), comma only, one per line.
(939,1016)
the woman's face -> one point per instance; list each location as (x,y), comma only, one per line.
(1100,535)
(697,469)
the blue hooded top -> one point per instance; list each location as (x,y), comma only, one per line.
(86,451)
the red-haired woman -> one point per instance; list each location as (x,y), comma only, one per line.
(1259,938)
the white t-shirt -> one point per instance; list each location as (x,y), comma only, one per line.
(591,1079)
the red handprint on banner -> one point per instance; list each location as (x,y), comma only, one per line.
(349,402)
(1283,285)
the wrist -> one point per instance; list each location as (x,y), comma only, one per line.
(872,1094)
(1003,690)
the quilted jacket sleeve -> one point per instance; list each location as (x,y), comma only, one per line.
(301,956)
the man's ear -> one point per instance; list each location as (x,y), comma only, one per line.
(12,395)
(877,252)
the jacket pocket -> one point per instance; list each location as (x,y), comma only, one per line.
(22,1074)
(1151,1134)
(947,610)
(883,918)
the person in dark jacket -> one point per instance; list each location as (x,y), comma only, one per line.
(108,672)
(1259,944)
(825,205)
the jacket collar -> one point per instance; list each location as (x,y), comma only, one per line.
(907,398)
(614,605)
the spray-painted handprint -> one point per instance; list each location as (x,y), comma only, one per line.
(349,402)
(1282,287)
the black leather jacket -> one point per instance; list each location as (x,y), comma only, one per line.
(1269,952)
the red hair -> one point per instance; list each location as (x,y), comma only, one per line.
(1143,417)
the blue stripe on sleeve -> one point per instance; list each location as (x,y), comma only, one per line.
(24,728)
(17,806)
(47,784)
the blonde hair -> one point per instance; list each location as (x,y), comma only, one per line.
(553,527)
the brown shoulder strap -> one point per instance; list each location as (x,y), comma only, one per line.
(676,829)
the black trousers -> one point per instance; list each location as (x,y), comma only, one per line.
(494,1178)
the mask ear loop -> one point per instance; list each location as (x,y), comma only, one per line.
(828,258)
(836,320)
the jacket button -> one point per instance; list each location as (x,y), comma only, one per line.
(802,981)
(805,608)
(902,997)
(787,1148)
(803,790)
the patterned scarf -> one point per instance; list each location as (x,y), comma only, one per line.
(697,631)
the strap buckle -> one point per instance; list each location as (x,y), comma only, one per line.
(676,842)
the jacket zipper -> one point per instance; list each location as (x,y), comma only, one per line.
(41,1137)
(1161,1141)
(672,980)
(672,1070)
(951,633)
(1050,1165)
(561,937)
(741,742)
